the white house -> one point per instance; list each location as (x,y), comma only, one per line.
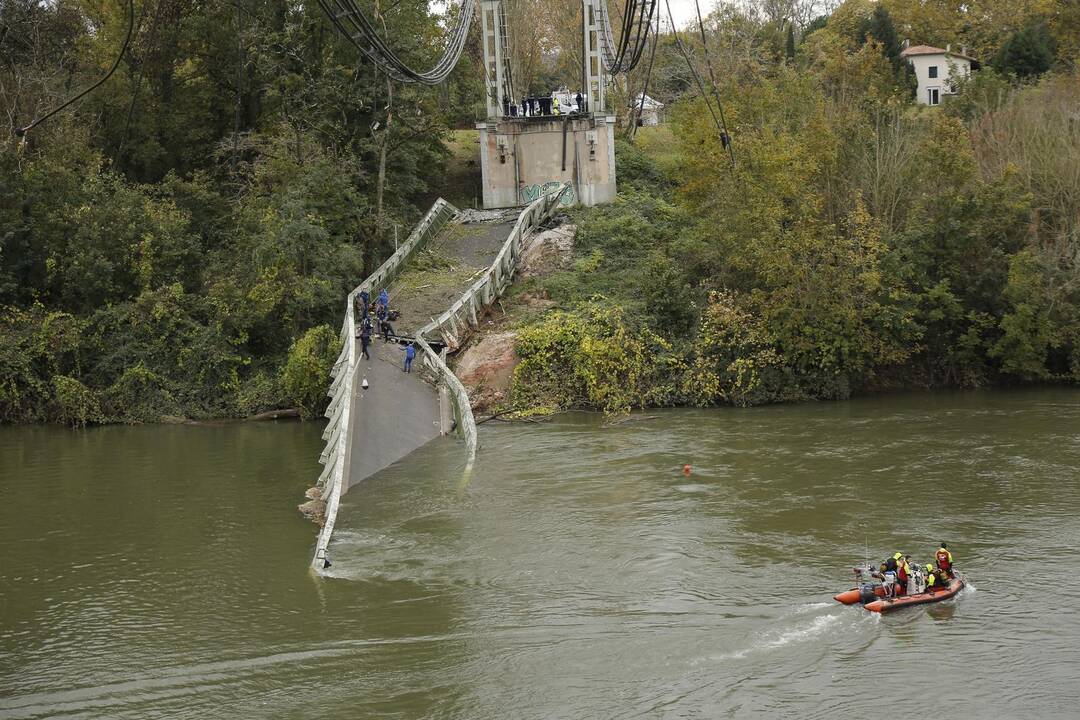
(937,70)
(650,111)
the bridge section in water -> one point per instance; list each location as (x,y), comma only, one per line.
(441,280)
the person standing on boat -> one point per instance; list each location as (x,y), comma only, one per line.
(944,559)
(888,578)
(902,573)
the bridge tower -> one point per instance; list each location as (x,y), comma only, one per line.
(523,156)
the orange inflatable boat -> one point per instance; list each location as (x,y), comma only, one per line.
(873,598)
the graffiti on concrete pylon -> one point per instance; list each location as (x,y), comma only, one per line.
(532,192)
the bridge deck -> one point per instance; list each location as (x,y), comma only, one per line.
(446,268)
(399,413)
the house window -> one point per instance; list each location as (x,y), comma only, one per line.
(932,96)
(933,71)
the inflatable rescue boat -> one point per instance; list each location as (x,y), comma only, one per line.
(873,597)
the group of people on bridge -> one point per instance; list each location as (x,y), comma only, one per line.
(899,576)
(379,317)
(544,106)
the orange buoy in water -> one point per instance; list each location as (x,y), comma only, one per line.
(685,469)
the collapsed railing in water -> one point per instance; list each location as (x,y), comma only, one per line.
(465,313)
(335,457)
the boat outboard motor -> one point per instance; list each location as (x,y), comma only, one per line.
(867,594)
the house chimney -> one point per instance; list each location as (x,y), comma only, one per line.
(907,43)
(948,47)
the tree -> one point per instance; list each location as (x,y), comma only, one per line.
(1027,53)
(879,26)
(789,46)
(307,371)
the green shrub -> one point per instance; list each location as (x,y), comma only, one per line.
(75,404)
(306,376)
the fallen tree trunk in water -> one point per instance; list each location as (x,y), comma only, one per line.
(276,414)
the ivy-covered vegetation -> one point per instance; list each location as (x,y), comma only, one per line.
(166,241)
(859,241)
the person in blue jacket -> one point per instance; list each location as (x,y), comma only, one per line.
(384,299)
(410,353)
(365,300)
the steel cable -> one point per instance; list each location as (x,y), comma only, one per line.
(20,132)
(352,23)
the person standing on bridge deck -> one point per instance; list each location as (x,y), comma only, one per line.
(555,105)
(365,300)
(410,353)
(385,328)
(580,102)
(384,300)
(365,337)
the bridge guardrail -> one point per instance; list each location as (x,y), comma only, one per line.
(335,457)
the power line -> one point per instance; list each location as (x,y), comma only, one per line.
(20,132)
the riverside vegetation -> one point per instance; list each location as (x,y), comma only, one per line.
(182,241)
(859,241)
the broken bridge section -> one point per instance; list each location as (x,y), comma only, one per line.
(398,413)
(379,413)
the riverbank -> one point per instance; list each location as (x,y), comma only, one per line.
(703,285)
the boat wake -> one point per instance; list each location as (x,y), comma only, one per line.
(774,640)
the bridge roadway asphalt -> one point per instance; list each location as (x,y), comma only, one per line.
(399,413)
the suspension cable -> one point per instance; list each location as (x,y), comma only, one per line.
(636,22)
(351,22)
(712,79)
(20,132)
(645,84)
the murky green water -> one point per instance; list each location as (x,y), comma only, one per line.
(161,572)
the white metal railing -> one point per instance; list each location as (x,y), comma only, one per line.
(465,313)
(335,457)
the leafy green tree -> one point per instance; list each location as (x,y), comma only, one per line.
(306,373)
(1028,53)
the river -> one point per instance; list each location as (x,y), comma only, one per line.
(161,571)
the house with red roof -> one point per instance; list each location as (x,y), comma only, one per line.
(937,70)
